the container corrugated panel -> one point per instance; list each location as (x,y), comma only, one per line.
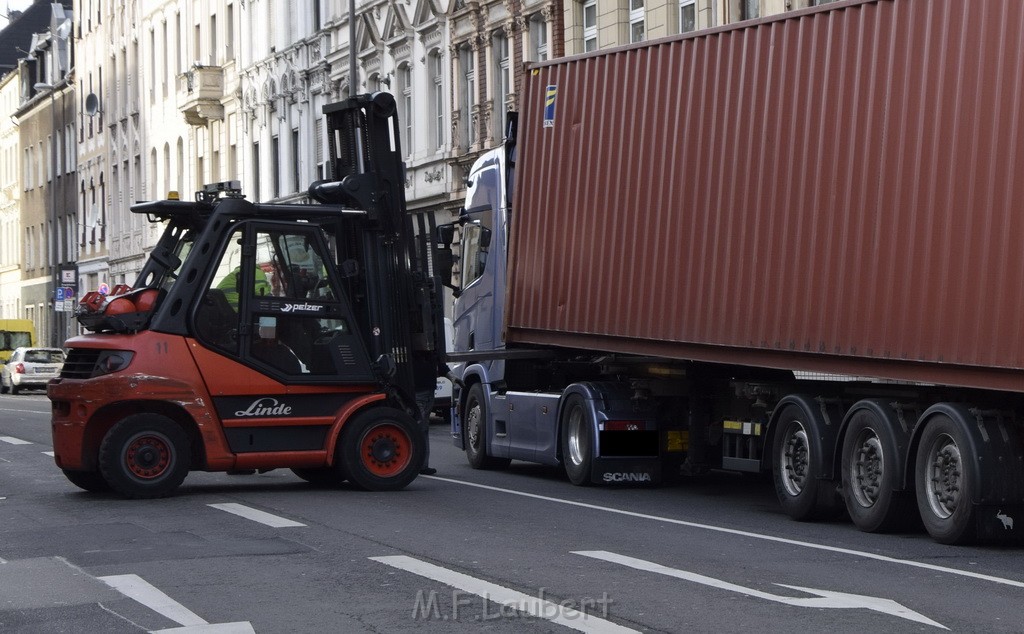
(829,189)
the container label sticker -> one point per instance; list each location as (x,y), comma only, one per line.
(549,106)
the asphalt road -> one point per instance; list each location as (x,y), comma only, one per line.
(515,551)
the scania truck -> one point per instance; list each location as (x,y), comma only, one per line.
(787,246)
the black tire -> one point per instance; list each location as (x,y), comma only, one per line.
(91,481)
(145,456)
(381,449)
(474,431)
(577,443)
(945,473)
(3,386)
(796,463)
(870,475)
(320,476)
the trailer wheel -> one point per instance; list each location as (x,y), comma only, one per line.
(91,481)
(795,465)
(145,456)
(474,425)
(945,472)
(870,472)
(577,444)
(321,477)
(381,449)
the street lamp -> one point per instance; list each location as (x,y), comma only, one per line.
(56,340)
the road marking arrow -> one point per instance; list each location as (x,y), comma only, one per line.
(824,598)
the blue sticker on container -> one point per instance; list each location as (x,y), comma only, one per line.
(549,106)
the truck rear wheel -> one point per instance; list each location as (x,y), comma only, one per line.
(474,428)
(796,464)
(945,473)
(91,481)
(871,464)
(381,449)
(145,456)
(577,444)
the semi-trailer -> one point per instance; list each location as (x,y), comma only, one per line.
(791,245)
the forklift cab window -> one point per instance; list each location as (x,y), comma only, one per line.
(274,304)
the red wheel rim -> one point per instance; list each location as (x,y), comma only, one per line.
(385,450)
(148,456)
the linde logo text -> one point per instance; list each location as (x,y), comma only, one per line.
(266,406)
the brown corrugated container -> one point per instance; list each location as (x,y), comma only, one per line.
(836,189)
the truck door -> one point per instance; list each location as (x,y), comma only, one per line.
(274,321)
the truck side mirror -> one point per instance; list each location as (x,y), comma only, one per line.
(485,237)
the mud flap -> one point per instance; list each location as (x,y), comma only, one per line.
(1000,523)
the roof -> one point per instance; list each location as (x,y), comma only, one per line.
(18,33)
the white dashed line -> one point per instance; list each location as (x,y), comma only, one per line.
(257,516)
(48,453)
(14,441)
(137,588)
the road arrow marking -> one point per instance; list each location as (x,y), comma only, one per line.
(824,598)
(137,588)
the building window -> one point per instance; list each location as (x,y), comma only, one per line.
(256,171)
(538,38)
(404,90)
(318,146)
(437,97)
(297,185)
(229,33)
(750,9)
(275,166)
(590,25)
(468,93)
(636,20)
(687,15)
(502,83)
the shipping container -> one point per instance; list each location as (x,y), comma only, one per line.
(826,190)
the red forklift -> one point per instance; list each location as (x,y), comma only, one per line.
(264,336)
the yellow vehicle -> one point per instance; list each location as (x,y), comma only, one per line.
(15,333)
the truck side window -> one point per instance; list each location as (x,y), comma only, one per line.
(473,258)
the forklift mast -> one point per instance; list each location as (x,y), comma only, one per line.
(396,283)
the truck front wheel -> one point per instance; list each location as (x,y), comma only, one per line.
(145,456)
(474,424)
(381,449)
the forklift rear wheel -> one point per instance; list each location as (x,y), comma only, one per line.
(381,449)
(145,456)
(91,481)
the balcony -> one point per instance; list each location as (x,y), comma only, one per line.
(200,90)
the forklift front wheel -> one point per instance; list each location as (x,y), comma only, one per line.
(382,449)
(145,456)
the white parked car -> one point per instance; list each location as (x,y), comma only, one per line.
(443,391)
(30,367)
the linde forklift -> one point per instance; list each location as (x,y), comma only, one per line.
(263,336)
